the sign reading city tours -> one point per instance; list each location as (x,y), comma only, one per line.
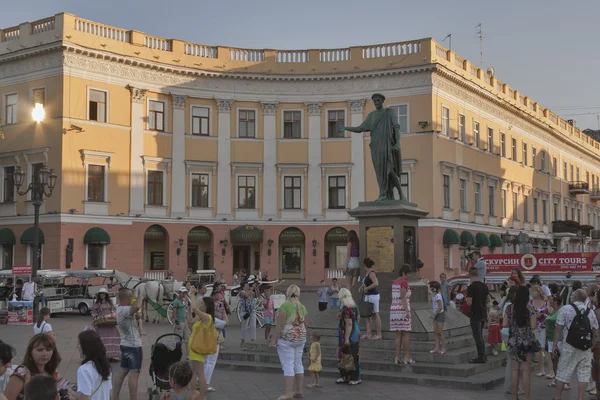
(20,312)
(541,262)
(21,269)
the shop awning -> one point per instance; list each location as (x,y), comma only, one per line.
(199,234)
(481,240)
(495,241)
(27,236)
(7,237)
(96,236)
(467,239)
(246,234)
(451,237)
(337,235)
(155,232)
(291,235)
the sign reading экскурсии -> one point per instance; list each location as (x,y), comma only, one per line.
(540,262)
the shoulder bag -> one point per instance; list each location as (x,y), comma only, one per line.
(204,340)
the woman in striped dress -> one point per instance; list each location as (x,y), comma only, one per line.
(103,309)
(400,320)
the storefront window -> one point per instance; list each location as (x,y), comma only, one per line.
(291,259)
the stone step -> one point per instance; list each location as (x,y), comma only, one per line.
(453,342)
(484,381)
(414,336)
(433,368)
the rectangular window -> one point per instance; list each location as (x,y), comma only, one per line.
(464,202)
(95,256)
(577,176)
(292,124)
(579,215)
(525,155)
(155,188)
(335,120)
(97,106)
(476,134)
(337,192)
(492,200)
(587,177)
(95,187)
(10,109)
(7,256)
(38,96)
(565,171)
(526,208)
(544,211)
(9,185)
(535,210)
(446,185)
(566,212)
(402,116)
(462,131)
(446,121)
(555,167)
(555,212)
(35,177)
(404,185)
(247,192)
(515,206)
(491,140)
(292,192)
(502,144)
(572,175)
(200,120)
(572,213)
(247,123)
(200,190)
(543,161)
(504,203)
(513,149)
(533,157)
(477,197)
(156,115)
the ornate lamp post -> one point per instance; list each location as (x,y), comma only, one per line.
(511,239)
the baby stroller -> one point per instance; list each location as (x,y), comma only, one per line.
(164,353)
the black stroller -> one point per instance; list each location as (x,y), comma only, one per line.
(164,353)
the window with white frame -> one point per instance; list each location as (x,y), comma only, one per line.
(513,149)
(200,190)
(95,256)
(476,134)
(526,208)
(491,140)
(554,167)
(246,192)
(6,256)
(200,120)
(35,177)
(577,175)
(477,198)
(446,121)
(156,115)
(462,130)
(525,155)
(9,185)
(535,211)
(292,124)
(492,200)
(335,120)
(405,185)
(155,188)
(572,175)
(555,212)
(97,105)
(579,215)
(464,202)
(447,191)
(38,96)
(515,206)
(534,157)
(336,192)
(247,123)
(10,109)
(504,203)
(292,192)
(402,116)
(96,183)
(565,171)
(31,254)
(543,161)
(502,144)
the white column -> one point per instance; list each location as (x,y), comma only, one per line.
(270,161)
(224,159)
(178,177)
(357,180)
(137,178)
(315,193)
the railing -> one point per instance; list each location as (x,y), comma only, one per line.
(595,194)
(158,44)
(511,93)
(104,31)
(246,55)
(335,273)
(441,52)
(488,79)
(334,55)
(579,186)
(12,33)
(199,50)
(522,99)
(42,25)
(553,118)
(459,62)
(390,50)
(292,56)
(473,70)
(155,275)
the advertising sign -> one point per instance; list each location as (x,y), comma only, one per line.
(21,269)
(20,312)
(541,262)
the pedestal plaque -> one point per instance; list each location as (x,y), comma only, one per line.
(380,247)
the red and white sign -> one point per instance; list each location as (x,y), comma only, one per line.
(21,269)
(540,262)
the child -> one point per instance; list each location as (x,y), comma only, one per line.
(494,338)
(268,313)
(180,375)
(138,317)
(444,289)
(315,360)
(439,317)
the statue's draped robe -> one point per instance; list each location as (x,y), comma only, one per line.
(385,148)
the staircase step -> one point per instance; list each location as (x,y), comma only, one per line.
(454,342)
(484,381)
(387,335)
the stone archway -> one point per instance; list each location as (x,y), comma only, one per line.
(291,250)
(335,253)
(199,249)
(156,247)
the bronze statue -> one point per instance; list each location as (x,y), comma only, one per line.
(385,147)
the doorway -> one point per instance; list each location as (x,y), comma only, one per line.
(241,258)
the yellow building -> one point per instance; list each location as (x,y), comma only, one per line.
(172,154)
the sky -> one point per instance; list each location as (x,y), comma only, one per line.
(546,49)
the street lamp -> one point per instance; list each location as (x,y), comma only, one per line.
(510,239)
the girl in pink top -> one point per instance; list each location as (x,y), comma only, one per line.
(268,313)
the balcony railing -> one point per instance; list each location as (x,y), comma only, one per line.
(155,275)
(335,273)
(595,194)
(579,188)
(565,227)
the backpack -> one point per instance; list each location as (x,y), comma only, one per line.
(580,331)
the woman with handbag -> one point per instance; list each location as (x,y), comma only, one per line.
(203,340)
(211,359)
(248,297)
(371,298)
(104,322)
(94,378)
(348,340)
(290,339)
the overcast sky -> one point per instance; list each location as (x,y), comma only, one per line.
(546,49)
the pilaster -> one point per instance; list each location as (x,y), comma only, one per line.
(137,181)
(357,180)
(178,176)
(224,157)
(315,193)
(269,198)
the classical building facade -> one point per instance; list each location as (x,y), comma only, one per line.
(173,155)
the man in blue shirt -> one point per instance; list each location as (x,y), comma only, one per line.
(323,293)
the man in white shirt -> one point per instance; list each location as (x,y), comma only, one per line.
(29,290)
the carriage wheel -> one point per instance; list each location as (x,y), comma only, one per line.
(260,319)
(170,314)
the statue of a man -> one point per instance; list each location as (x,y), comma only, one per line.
(385,147)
